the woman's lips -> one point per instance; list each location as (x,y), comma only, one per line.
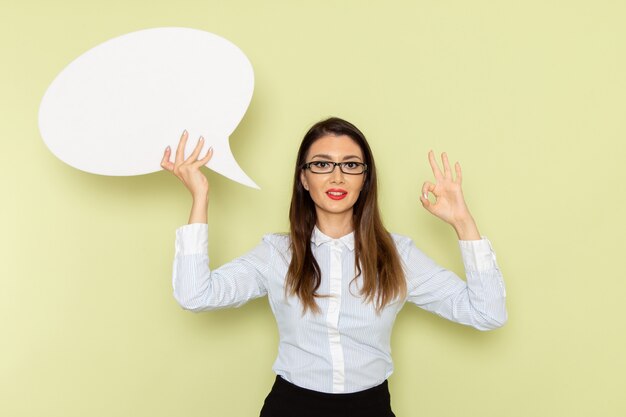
(336,193)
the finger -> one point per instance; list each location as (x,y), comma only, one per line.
(165,162)
(206,159)
(194,155)
(434,166)
(459,177)
(427,188)
(447,172)
(425,203)
(424,199)
(180,151)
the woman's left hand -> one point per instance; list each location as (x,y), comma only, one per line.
(449,203)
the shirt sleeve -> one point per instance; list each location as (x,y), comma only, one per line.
(478,302)
(197,288)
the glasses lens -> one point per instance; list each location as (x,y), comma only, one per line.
(321,167)
(352,168)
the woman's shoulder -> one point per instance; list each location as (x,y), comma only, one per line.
(405,245)
(401,240)
(280,241)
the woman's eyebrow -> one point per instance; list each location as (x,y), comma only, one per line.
(330,158)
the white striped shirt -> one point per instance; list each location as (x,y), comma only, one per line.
(346,347)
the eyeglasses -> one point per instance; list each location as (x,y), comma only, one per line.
(326,167)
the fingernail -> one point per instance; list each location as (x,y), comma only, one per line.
(185,132)
(426,196)
(201,138)
(167,149)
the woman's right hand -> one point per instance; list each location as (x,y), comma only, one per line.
(188,170)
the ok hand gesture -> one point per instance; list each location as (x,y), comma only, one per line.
(449,203)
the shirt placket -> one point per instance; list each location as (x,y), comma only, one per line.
(332,317)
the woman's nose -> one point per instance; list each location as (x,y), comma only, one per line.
(337,175)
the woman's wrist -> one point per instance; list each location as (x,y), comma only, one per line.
(200,197)
(466,228)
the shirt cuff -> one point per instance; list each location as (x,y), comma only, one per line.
(192,239)
(478,255)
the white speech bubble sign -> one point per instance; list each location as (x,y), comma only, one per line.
(115,108)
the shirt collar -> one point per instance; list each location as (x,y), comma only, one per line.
(319,238)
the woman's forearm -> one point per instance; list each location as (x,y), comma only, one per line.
(199,209)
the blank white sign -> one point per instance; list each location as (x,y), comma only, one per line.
(115,108)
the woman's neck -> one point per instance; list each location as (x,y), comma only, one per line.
(335,225)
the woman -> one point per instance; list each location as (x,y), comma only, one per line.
(337,281)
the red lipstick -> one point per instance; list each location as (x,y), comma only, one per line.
(336,193)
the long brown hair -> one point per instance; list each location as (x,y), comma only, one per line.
(376,257)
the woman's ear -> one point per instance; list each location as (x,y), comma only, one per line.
(303,180)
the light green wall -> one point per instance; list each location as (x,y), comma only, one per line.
(530,97)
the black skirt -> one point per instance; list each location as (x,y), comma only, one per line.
(289,400)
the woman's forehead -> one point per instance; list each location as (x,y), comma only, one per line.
(335,146)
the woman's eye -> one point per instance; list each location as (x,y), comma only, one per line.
(351,165)
(321,164)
